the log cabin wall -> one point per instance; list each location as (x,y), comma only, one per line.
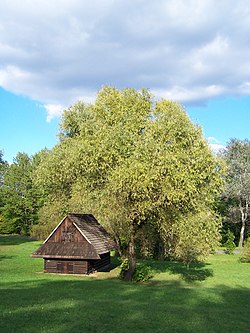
(66,266)
(77,266)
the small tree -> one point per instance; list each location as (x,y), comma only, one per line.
(237,187)
(229,244)
(247,251)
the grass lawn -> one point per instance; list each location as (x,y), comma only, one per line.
(214,297)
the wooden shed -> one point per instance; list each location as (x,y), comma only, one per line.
(78,245)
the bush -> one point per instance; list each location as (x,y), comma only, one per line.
(247,251)
(230,245)
(124,267)
(142,272)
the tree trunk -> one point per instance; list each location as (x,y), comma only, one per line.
(118,250)
(243,223)
(242,231)
(132,262)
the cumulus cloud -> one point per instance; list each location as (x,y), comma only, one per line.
(53,110)
(215,145)
(185,50)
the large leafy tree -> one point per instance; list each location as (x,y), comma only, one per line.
(237,186)
(134,163)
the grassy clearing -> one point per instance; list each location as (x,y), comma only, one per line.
(208,298)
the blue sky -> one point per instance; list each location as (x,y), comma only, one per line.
(223,119)
(53,53)
(23,126)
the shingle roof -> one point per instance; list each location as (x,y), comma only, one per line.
(98,241)
(93,232)
(66,250)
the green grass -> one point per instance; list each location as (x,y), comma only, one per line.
(214,297)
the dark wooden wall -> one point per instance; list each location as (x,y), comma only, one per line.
(66,266)
(102,264)
(77,266)
(67,232)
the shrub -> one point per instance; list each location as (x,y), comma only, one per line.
(230,245)
(142,272)
(124,267)
(247,251)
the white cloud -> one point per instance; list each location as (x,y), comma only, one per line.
(12,78)
(53,111)
(216,148)
(185,95)
(188,50)
(245,88)
(215,145)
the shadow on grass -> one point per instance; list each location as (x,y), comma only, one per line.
(195,272)
(14,240)
(87,305)
(4,257)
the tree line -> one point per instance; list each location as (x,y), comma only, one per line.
(142,168)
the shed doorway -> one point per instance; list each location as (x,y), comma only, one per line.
(64,267)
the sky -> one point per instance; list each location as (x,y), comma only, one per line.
(56,52)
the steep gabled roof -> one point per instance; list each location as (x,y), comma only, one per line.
(98,241)
(95,234)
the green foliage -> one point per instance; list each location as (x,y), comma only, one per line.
(3,168)
(142,272)
(197,235)
(133,163)
(237,185)
(246,257)
(73,119)
(229,244)
(147,240)
(21,199)
(49,216)
(233,227)
(124,267)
